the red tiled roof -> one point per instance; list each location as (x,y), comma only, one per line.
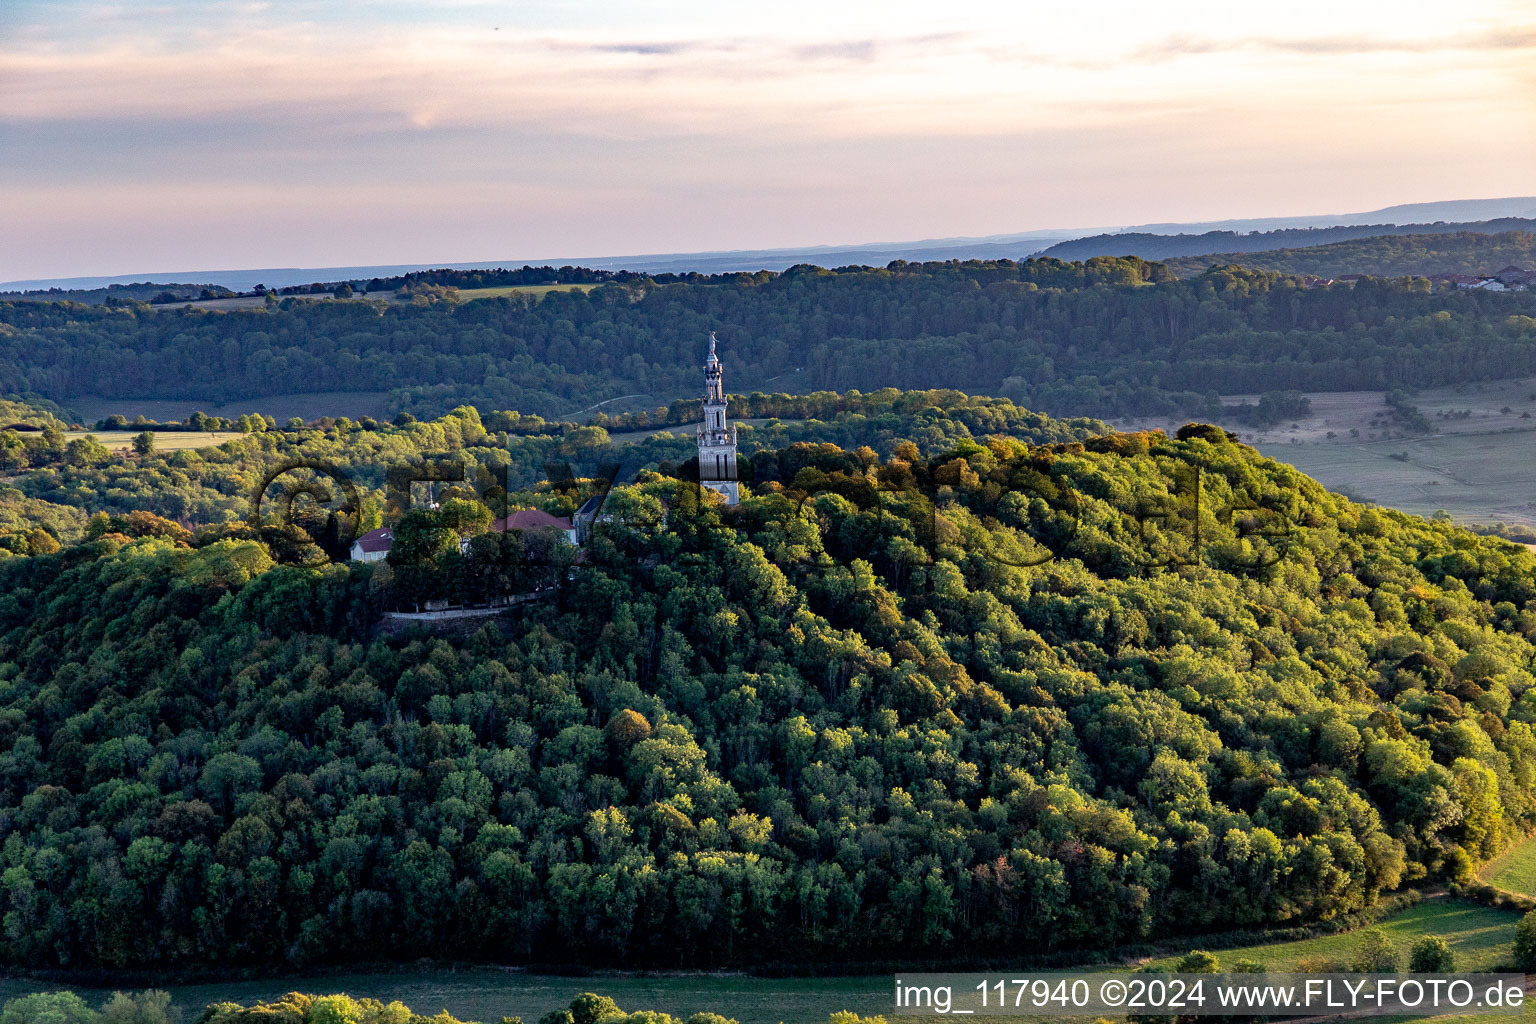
(530,519)
(377,540)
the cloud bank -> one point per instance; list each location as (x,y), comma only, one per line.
(241,133)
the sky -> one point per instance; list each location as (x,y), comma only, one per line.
(225,134)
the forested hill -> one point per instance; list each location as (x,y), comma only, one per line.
(1110,336)
(1165,247)
(51,485)
(33,414)
(864,714)
(1385,256)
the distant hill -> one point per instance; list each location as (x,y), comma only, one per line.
(1451,215)
(1151,246)
(1451,211)
(139,291)
(989,247)
(886,710)
(1462,252)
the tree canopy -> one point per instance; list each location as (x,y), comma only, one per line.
(992,695)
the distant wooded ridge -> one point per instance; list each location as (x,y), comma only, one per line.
(1461,252)
(1109,337)
(1150,246)
(1469,248)
(1449,215)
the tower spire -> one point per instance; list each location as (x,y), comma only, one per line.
(717,437)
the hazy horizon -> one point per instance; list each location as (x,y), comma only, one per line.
(1024,243)
(311,134)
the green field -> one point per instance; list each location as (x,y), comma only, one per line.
(465,295)
(165,440)
(1477,478)
(537,290)
(1514,870)
(1481,937)
(1474,466)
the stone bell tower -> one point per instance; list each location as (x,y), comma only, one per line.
(717,438)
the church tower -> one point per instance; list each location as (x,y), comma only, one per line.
(717,439)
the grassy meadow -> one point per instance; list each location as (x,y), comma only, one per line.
(1480,937)
(247,302)
(1475,466)
(1476,478)
(536,290)
(165,440)
(1514,870)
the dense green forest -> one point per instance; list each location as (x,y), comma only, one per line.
(1384,256)
(1174,247)
(1110,336)
(992,696)
(50,486)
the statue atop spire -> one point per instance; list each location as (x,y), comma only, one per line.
(717,437)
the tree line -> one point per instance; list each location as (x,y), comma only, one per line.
(1465,252)
(1105,337)
(1240,244)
